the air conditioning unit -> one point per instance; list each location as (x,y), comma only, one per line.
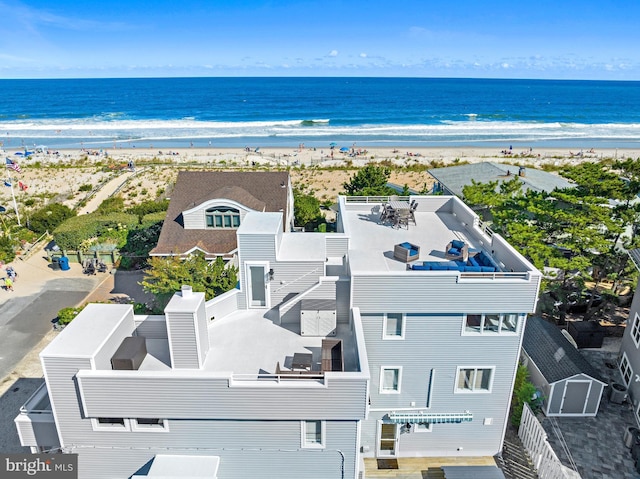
(618,393)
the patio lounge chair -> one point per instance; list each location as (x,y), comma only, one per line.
(406,252)
(457,250)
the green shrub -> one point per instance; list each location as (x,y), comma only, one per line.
(49,217)
(66,315)
(7,249)
(147,208)
(70,234)
(115,204)
(86,187)
(523,392)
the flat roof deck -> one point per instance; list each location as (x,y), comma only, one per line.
(245,342)
(372,242)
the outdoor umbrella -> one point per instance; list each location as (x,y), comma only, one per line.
(344,148)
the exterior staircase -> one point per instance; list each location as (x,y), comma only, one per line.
(515,461)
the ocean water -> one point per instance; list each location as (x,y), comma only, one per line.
(256,112)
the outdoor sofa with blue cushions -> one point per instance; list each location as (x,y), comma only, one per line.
(486,262)
(406,252)
(435,266)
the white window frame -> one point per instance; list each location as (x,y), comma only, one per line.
(638,414)
(97,426)
(426,427)
(390,391)
(500,332)
(625,361)
(474,391)
(635,330)
(231,214)
(303,435)
(136,426)
(393,337)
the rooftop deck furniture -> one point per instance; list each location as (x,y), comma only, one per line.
(406,252)
(302,361)
(332,358)
(457,250)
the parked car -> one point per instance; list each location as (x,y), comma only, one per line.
(575,302)
(578,302)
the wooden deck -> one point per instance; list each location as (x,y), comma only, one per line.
(422,467)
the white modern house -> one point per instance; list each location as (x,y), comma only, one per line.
(333,352)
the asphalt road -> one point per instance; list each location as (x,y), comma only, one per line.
(24,321)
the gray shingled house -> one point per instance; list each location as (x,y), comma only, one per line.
(569,384)
(451,179)
(207,208)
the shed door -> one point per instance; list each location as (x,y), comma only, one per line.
(576,394)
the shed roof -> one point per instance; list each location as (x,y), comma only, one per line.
(553,354)
(261,191)
(454,178)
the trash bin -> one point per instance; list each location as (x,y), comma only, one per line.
(64,263)
(629,434)
(635,446)
(55,263)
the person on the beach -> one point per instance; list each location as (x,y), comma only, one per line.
(8,284)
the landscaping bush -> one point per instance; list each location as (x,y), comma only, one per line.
(66,315)
(49,217)
(72,233)
(7,249)
(115,204)
(152,219)
(148,207)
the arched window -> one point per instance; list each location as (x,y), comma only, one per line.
(222,217)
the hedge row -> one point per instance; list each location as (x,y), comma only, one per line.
(70,234)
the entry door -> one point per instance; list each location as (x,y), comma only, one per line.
(576,394)
(258,296)
(387,440)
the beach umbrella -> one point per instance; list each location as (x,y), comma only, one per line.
(344,148)
(333,143)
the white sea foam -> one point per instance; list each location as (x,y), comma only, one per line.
(115,129)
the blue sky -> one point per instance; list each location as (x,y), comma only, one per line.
(587,39)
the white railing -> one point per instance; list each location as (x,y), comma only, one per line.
(545,460)
(374,199)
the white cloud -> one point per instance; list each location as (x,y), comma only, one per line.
(333,53)
(363,55)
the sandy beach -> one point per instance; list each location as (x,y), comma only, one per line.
(59,174)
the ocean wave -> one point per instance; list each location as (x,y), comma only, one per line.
(107,129)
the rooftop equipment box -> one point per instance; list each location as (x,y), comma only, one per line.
(130,354)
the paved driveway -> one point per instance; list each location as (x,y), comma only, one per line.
(25,320)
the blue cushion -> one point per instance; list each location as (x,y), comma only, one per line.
(406,245)
(413,252)
(454,251)
(457,244)
(473,269)
(420,267)
(487,269)
(473,262)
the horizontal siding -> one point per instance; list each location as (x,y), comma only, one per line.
(60,377)
(292,277)
(343,300)
(246,449)
(182,340)
(151,327)
(441,293)
(194,220)
(222,305)
(290,313)
(118,394)
(337,245)
(253,248)
(434,342)
(112,343)
(467,439)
